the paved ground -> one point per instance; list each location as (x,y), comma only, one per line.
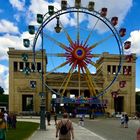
(81,133)
(110,128)
(98,129)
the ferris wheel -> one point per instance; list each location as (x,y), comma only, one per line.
(74,39)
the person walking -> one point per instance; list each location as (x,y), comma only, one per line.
(5,117)
(48,118)
(2,127)
(138,133)
(14,121)
(64,128)
(126,119)
(122,120)
(81,120)
(55,118)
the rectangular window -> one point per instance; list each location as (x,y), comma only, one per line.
(27,102)
(21,66)
(114,70)
(119,68)
(39,67)
(108,69)
(15,66)
(129,70)
(33,67)
(124,70)
(27,64)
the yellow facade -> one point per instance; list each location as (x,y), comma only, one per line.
(20,84)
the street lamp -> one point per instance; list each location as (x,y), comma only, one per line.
(26,43)
(57,28)
(42,104)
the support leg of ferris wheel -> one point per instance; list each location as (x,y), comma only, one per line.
(79,80)
(90,89)
(68,79)
(90,81)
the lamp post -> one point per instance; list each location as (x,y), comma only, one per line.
(42,95)
(26,43)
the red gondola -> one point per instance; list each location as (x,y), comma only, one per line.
(114,21)
(122,32)
(127,45)
(103,12)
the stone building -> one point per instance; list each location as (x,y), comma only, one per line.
(25,89)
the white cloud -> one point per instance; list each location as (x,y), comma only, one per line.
(37,6)
(135,42)
(4,78)
(8,27)
(137,89)
(14,41)
(18,4)
(115,8)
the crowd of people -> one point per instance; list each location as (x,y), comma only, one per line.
(8,120)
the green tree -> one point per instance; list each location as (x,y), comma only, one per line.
(1,90)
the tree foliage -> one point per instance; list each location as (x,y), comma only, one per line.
(1,90)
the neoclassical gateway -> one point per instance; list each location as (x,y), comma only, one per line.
(25,85)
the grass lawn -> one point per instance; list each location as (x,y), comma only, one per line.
(22,131)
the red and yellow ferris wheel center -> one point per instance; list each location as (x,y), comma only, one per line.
(79,52)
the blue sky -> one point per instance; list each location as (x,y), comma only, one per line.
(16,15)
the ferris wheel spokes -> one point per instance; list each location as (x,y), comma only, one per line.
(63,46)
(99,42)
(89,35)
(61,65)
(56,54)
(66,33)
